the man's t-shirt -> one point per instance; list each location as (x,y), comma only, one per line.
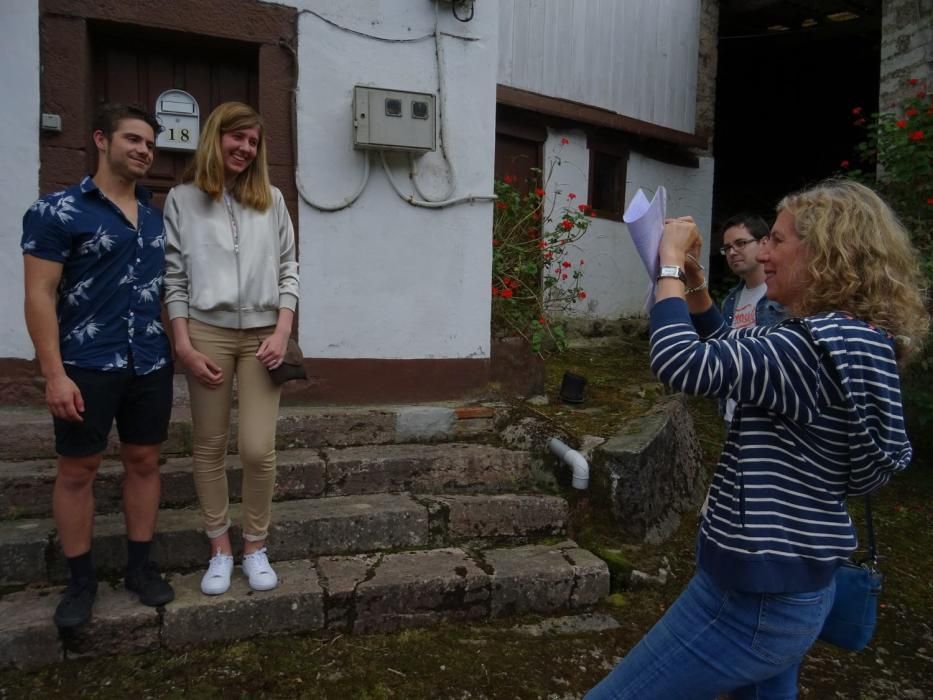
(744,317)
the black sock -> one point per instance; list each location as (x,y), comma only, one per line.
(137,554)
(81,568)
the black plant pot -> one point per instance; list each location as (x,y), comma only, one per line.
(572,388)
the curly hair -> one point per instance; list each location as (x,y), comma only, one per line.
(252,187)
(861,261)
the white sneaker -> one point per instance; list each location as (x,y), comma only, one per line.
(257,569)
(217,577)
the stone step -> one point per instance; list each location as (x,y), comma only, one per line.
(30,553)
(26,432)
(357,594)
(26,487)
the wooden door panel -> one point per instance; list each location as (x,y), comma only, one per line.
(138,71)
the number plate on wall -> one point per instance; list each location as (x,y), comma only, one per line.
(180,117)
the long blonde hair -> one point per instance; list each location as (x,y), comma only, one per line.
(861,261)
(251,187)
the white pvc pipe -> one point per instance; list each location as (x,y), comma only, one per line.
(573,459)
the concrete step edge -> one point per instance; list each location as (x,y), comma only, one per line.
(356,594)
(27,433)
(300,528)
(26,487)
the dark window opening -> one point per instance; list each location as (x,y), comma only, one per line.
(607,182)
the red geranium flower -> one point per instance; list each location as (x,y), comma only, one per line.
(566,224)
(929,200)
(541,244)
(539,192)
(508,179)
(583,208)
(856,110)
(844,164)
(911,112)
(501,205)
(566,264)
(901,123)
(542,320)
(513,284)
(571,196)
(582,295)
(564,141)
(549,255)
(506,293)
(916,136)
(912,81)
(583,262)
(563,276)
(495,291)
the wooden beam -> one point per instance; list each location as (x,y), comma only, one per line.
(597,116)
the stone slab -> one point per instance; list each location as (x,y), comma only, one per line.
(417,423)
(414,589)
(345,525)
(505,516)
(119,624)
(26,487)
(652,473)
(295,606)
(28,637)
(586,623)
(538,578)
(424,468)
(24,547)
(339,577)
(26,433)
(299,529)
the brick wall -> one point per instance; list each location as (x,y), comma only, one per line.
(906,48)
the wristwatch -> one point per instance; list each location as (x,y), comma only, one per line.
(672,272)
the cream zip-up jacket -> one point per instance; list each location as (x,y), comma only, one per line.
(232,277)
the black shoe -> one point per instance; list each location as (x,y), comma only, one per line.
(75,607)
(147,582)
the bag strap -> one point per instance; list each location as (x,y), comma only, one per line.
(870,528)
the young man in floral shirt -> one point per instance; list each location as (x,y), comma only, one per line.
(94,256)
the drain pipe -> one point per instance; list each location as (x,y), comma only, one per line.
(573,459)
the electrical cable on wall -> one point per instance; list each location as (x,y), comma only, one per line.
(453,9)
(441,114)
(425,201)
(466,199)
(339,205)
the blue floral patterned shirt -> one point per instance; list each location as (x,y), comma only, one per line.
(109,299)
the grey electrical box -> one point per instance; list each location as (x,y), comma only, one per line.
(393,120)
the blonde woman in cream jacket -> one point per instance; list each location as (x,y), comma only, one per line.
(231,287)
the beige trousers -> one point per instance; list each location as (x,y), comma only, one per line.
(234,351)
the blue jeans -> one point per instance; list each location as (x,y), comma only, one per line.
(713,641)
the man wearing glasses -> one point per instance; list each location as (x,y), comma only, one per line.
(746,303)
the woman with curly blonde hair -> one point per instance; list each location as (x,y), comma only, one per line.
(818,420)
(861,261)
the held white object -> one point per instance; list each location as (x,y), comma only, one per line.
(573,459)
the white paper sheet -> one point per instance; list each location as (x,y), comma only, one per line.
(645,221)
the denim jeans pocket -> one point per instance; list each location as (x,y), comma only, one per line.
(788,624)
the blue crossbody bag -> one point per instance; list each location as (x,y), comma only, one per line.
(852,619)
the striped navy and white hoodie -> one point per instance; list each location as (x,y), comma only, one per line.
(818,419)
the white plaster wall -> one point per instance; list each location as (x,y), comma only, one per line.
(19,177)
(615,280)
(383,279)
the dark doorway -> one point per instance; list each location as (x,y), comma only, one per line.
(788,80)
(138,69)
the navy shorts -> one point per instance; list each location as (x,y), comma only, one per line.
(141,404)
